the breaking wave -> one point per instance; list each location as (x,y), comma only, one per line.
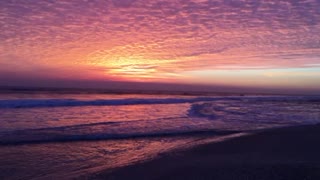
(36,103)
(91,132)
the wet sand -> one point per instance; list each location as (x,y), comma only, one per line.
(286,153)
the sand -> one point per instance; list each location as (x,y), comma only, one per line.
(286,153)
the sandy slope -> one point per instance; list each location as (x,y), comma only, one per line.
(286,153)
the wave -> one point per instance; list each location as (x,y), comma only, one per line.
(268,109)
(36,103)
(73,134)
(213,111)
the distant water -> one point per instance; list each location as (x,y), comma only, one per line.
(71,135)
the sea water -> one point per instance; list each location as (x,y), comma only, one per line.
(63,135)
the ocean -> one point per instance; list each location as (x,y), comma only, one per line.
(71,135)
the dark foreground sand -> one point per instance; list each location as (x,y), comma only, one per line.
(286,153)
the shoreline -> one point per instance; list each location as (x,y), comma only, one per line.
(280,153)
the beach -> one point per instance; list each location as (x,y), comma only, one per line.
(160,89)
(282,153)
(103,136)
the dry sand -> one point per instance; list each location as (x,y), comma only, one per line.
(286,153)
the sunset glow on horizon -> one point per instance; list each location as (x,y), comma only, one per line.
(239,43)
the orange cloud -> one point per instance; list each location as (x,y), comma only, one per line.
(157,40)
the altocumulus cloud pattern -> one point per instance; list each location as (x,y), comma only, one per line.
(162,38)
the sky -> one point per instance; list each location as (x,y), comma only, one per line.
(238,43)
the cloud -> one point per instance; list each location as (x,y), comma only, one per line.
(171,36)
(123,3)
